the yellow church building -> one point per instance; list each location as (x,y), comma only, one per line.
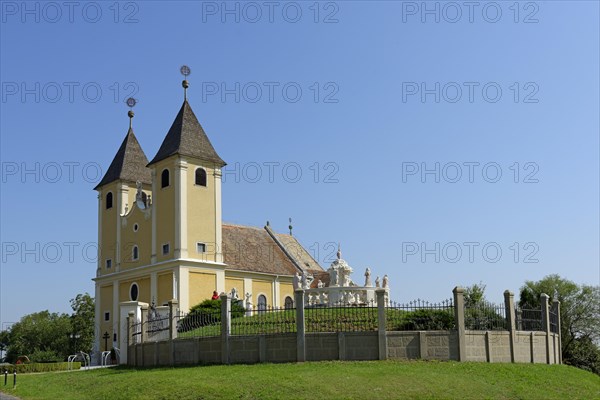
(161,235)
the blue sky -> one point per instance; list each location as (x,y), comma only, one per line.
(498,102)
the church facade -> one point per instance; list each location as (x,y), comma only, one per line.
(161,234)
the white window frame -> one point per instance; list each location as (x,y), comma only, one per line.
(106,262)
(138,291)
(133,253)
(162,248)
(198,244)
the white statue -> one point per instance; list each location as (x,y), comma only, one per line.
(320,284)
(296,281)
(385,281)
(377,281)
(234,294)
(306,280)
(368,278)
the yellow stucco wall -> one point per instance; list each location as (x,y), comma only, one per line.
(201,212)
(164,290)
(144,290)
(164,199)
(262,287)
(201,286)
(108,237)
(237,283)
(142,238)
(285,289)
(106,305)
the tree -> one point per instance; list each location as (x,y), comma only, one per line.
(474,294)
(46,337)
(82,323)
(4,341)
(579,317)
(43,336)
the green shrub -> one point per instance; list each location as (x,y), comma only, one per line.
(40,367)
(208,313)
(421,320)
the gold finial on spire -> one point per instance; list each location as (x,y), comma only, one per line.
(339,252)
(131,102)
(185,71)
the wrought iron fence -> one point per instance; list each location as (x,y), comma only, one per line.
(420,315)
(198,324)
(553,321)
(486,316)
(340,318)
(528,318)
(263,319)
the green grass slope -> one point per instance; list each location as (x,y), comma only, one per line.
(318,380)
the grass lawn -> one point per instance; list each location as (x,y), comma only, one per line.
(318,380)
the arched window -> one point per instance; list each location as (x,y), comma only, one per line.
(262,303)
(134,291)
(135,253)
(109,200)
(201,177)
(288,303)
(164,178)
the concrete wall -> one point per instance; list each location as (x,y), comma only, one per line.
(462,345)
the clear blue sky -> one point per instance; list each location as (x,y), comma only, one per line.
(372,126)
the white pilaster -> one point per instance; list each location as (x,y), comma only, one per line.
(220,281)
(218,217)
(122,202)
(97,319)
(276,291)
(184,289)
(248,285)
(153,288)
(181,167)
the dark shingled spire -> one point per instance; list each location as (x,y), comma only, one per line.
(129,163)
(187,138)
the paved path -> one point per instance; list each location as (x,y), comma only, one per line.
(7,397)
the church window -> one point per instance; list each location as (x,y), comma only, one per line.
(201,177)
(201,247)
(166,248)
(134,291)
(107,316)
(262,303)
(135,253)
(136,227)
(108,264)
(164,178)
(109,200)
(288,303)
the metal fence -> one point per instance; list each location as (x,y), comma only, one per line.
(205,323)
(553,321)
(263,320)
(420,315)
(339,318)
(528,318)
(486,316)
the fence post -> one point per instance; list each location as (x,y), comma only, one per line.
(300,326)
(546,323)
(173,303)
(509,305)
(225,327)
(459,316)
(556,309)
(381,322)
(130,322)
(144,324)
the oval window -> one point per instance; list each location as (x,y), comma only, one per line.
(134,292)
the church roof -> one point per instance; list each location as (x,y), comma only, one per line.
(129,163)
(186,137)
(253,249)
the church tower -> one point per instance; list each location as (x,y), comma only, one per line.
(186,176)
